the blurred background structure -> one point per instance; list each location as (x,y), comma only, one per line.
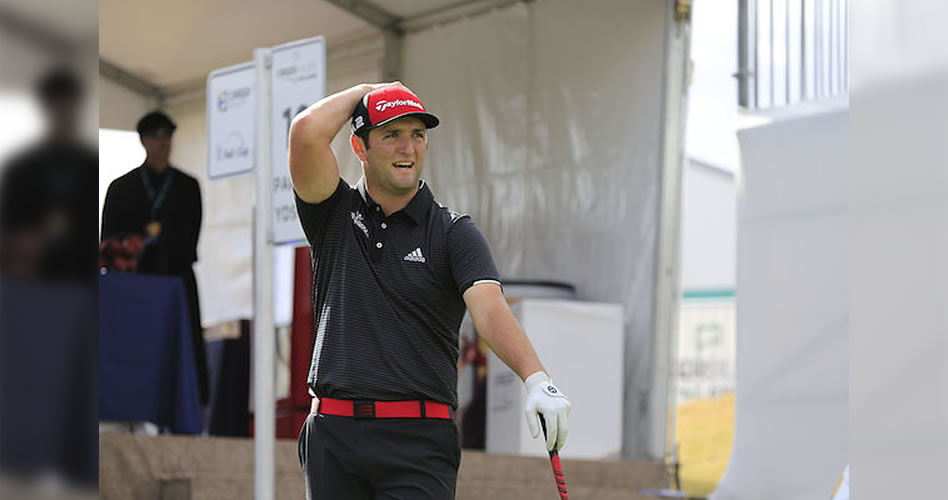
(47,250)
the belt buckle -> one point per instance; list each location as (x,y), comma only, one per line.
(363,409)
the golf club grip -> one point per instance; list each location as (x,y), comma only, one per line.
(557,466)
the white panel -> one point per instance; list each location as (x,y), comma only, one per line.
(898,271)
(791,435)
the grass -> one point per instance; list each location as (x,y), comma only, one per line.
(705,432)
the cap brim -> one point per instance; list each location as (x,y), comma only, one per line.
(430,120)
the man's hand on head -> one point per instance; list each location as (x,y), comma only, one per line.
(376,86)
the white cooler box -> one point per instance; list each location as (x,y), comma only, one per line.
(581,345)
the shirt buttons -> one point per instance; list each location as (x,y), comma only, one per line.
(384,225)
(378,245)
(378,208)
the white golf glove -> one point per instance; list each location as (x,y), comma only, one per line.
(543,398)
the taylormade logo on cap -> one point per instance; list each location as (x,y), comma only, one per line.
(383,105)
(386,104)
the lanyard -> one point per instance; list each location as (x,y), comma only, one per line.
(156,199)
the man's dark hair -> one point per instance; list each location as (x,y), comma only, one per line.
(364,135)
(154,121)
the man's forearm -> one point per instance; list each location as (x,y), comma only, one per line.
(313,166)
(500,330)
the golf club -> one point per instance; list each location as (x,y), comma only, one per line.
(557,467)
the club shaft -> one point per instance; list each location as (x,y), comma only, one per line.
(557,466)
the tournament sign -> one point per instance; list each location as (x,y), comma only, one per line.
(297,79)
(231,111)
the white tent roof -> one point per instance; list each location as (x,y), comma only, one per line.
(174,44)
(170,47)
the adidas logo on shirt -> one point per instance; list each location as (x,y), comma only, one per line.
(415,256)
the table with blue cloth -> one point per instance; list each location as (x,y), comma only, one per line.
(146,362)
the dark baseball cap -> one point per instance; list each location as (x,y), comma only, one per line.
(386,104)
(156,123)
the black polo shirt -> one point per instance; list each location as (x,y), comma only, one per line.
(387,294)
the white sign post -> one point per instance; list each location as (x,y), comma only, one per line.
(297,79)
(231,113)
(249,110)
(264,424)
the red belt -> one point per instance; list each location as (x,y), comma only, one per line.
(384,409)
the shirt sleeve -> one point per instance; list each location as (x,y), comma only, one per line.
(471,260)
(313,216)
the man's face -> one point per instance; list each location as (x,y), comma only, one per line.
(396,154)
(157,146)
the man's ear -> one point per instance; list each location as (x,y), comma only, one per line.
(358,147)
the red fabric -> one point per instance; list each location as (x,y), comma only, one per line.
(386,409)
(292,410)
(302,333)
(392,101)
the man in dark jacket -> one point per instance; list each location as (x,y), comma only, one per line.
(163,205)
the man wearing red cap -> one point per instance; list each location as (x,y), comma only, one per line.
(393,272)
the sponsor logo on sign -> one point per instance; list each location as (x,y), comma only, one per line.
(383,105)
(233,147)
(229,99)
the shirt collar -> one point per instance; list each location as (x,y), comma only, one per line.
(416,209)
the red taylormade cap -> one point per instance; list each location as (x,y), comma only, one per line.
(386,104)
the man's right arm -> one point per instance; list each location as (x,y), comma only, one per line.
(313,166)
